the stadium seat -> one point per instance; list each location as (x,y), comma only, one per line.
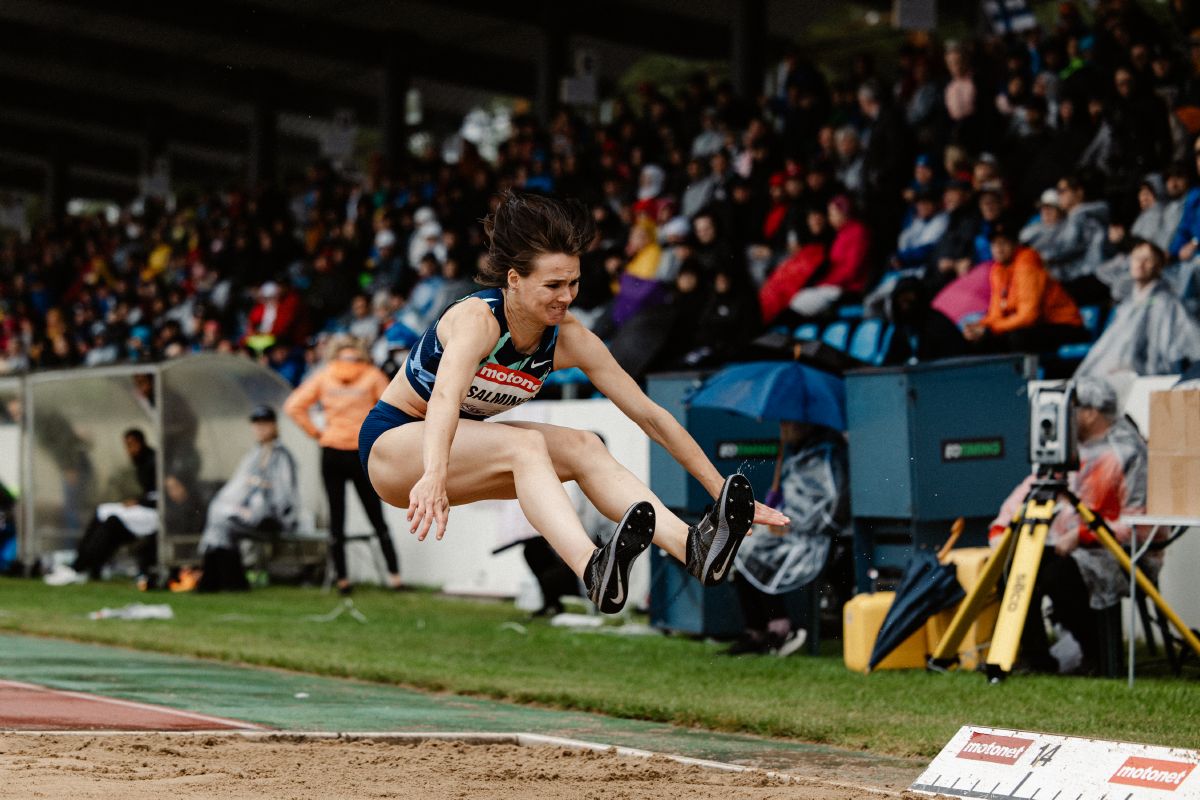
(1093,316)
(885,345)
(808,332)
(837,334)
(1074,352)
(864,344)
(850,312)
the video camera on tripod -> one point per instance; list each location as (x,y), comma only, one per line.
(1052,445)
(1054,452)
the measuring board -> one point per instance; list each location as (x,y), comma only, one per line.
(1019,765)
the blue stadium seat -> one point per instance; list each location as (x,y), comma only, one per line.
(837,334)
(850,312)
(1074,352)
(1092,319)
(781,329)
(808,332)
(864,344)
(885,345)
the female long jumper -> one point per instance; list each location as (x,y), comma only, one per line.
(425,444)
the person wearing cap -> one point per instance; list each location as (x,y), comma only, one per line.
(1047,233)
(922,233)
(346,388)
(1028,311)
(260,499)
(274,318)
(1077,573)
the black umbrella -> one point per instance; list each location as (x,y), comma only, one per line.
(928,587)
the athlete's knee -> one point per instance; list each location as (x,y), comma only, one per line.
(586,451)
(527,444)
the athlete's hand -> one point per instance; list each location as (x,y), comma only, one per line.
(765,515)
(428,507)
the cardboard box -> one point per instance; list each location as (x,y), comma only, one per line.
(1173,482)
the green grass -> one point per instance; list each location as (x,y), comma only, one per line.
(444,644)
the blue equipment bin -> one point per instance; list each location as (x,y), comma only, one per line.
(931,443)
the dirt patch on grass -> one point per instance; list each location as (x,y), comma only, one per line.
(153,766)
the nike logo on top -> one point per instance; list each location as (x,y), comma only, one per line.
(536,364)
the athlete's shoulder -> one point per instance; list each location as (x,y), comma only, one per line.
(575,343)
(472,319)
(473,306)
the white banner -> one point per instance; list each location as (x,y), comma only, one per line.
(1019,765)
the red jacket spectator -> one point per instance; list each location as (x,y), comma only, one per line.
(848,253)
(276,314)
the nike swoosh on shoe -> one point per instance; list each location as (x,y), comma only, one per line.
(727,541)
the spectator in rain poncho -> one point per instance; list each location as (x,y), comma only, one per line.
(1150,332)
(1087,231)
(1049,233)
(1158,215)
(261,499)
(1077,573)
(811,487)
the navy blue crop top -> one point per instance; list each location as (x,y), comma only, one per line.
(504,379)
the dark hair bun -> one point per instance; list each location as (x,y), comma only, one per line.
(527,225)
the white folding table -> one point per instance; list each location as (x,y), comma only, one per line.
(1156,523)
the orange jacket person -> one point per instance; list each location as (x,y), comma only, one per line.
(1028,311)
(347,388)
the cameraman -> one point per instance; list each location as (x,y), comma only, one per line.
(1079,576)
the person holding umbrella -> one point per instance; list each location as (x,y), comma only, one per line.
(811,487)
(426,445)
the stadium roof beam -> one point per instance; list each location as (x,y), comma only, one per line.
(367,47)
(44,167)
(117,113)
(47,143)
(655,30)
(245,84)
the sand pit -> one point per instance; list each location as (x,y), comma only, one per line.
(154,766)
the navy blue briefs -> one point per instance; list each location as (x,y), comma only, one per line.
(383,417)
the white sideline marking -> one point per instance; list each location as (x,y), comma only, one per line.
(480,737)
(132,704)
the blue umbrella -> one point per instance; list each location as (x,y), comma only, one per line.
(778,390)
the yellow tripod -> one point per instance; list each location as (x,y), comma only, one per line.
(1023,541)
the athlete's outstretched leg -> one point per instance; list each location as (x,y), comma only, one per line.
(581,456)
(488,462)
(707,548)
(498,462)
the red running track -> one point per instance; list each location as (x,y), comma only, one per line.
(28,707)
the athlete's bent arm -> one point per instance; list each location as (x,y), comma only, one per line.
(468,333)
(581,348)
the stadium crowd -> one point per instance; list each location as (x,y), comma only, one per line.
(977,197)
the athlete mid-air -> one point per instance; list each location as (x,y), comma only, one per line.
(426,446)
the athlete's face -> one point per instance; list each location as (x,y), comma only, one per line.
(549,289)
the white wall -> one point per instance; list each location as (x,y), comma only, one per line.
(10,456)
